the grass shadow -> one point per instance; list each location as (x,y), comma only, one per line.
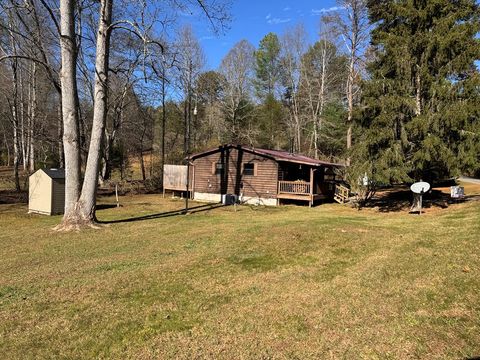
(106,206)
(399,198)
(191,210)
(13,197)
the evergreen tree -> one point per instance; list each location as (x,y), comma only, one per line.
(269,116)
(420,110)
(267,76)
(333,146)
(267,66)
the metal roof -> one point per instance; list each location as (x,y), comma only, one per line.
(55,173)
(281,155)
(277,155)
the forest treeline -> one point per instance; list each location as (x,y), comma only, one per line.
(285,93)
(389,88)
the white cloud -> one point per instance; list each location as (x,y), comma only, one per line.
(286,8)
(326,10)
(275,21)
(268,16)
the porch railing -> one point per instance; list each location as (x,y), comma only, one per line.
(294,187)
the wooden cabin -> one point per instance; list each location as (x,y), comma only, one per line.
(260,176)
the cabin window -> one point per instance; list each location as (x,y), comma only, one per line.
(218,168)
(329,175)
(249,169)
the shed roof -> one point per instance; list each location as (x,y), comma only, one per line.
(55,173)
(277,155)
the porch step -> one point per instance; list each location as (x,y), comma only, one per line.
(339,199)
(342,194)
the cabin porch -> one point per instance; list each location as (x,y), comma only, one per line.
(305,183)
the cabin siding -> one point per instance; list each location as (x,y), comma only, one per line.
(263,184)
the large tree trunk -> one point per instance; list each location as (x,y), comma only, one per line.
(87,202)
(68,78)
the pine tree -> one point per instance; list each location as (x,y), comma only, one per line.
(267,66)
(267,77)
(419,116)
(270,119)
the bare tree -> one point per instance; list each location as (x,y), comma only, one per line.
(353,26)
(84,213)
(162,67)
(191,61)
(71,134)
(87,201)
(237,69)
(321,78)
(293,47)
(32,115)
(81,31)
(13,102)
(126,58)
(138,123)
(35,33)
(209,88)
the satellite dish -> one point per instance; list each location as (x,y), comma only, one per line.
(420,187)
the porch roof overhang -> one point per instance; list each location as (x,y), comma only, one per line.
(277,155)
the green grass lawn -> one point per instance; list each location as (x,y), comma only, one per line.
(288,282)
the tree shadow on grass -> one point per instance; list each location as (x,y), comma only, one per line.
(106,206)
(191,210)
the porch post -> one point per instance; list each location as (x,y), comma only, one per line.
(192,192)
(311,186)
(278,184)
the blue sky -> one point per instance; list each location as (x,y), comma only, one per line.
(253,19)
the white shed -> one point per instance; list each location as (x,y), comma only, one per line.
(46,192)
